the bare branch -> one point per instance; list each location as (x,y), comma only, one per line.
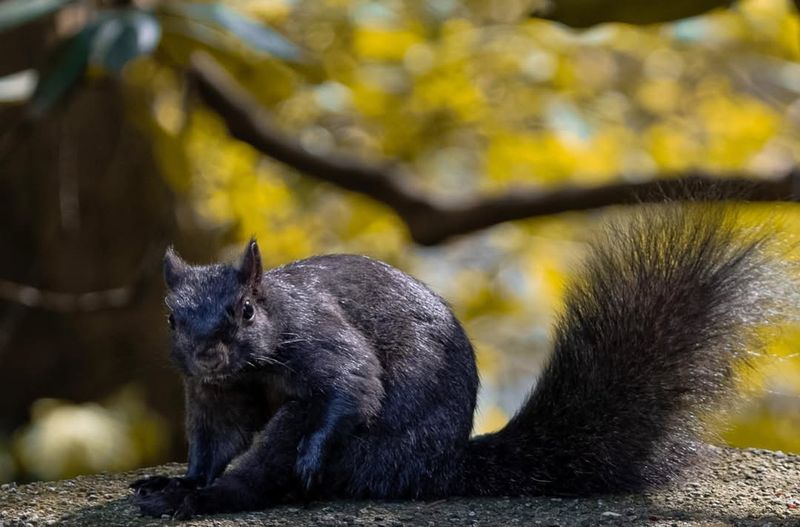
(115,298)
(64,302)
(588,13)
(432,220)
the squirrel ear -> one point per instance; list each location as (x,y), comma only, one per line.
(174,268)
(250,269)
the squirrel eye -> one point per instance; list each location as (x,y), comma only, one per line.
(248,311)
(171,321)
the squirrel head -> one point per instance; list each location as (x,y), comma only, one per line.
(218,316)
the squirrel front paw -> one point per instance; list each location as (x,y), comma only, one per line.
(308,466)
(151,484)
(167,501)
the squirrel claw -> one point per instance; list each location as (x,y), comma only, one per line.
(152,484)
(310,478)
(187,509)
(309,463)
(309,472)
(156,504)
(149,484)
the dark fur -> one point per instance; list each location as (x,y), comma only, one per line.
(375,381)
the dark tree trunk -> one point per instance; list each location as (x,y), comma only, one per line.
(82,208)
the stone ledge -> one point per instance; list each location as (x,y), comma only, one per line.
(736,488)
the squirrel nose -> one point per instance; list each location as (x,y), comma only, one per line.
(211,358)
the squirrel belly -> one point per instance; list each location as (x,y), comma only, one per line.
(378,381)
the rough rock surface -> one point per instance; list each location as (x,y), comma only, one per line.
(736,487)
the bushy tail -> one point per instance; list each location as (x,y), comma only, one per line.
(666,304)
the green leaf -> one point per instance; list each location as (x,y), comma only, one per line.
(122,36)
(14,13)
(68,65)
(110,41)
(197,32)
(249,31)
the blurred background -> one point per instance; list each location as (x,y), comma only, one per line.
(115,142)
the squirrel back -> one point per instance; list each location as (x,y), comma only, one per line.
(668,301)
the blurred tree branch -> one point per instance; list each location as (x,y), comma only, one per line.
(115,298)
(33,297)
(434,219)
(587,13)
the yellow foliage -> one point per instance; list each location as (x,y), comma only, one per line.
(375,43)
(449,89)
(736,128)
(672,146)
(468,107)
(774,25)
(489,420)
(517,157)
(272,11)
(660,96)
(66,439)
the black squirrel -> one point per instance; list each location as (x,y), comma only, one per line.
(342,377)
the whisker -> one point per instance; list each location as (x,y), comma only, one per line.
(273,361)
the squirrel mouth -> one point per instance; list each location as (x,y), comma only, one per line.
(214,378)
